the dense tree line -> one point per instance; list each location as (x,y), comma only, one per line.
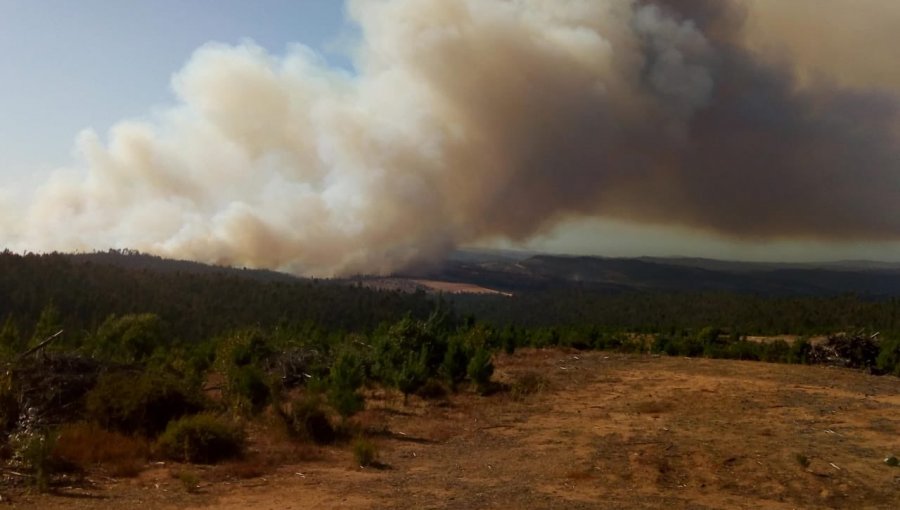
(657,312)
(193,305)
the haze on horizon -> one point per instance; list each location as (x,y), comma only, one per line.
(749,130)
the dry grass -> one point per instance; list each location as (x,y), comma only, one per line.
(526,384)
(243,469)
(653,407)
(86,445)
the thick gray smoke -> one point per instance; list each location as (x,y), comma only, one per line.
(475,119)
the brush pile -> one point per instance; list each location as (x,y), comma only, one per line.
(858,350)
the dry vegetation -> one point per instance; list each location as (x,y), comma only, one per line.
(570,430)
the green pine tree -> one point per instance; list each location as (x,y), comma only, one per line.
(48,324)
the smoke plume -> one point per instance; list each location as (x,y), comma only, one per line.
(476,119)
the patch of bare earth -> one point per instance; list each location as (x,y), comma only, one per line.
(458,287)
(432,286)
(602,431)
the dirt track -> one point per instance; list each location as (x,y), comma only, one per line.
(608,431)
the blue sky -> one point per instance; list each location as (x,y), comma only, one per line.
(69,65)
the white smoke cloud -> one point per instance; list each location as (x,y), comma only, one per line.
(465,120)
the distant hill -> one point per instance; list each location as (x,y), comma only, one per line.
(196,300)
(130,259)
(542,272)
(199,301)
(513,271)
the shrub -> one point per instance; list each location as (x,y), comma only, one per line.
(346,371)
(411,374)
(130,338)
(307,420)
(345,377)
(201,438)
(743,350)
(247,347)
(48,324)
(345,401)
(432,389)
(144,403)
(662,344)
(778,351)
(11,340)
(365,452)
(189,480)
(244,358)
(508,340)
(481,369)
(455,364)
(799,352)
(889,356)
(247,389)
(408,337)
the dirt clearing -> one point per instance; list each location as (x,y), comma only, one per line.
(578,430)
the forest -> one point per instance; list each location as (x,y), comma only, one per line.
(175,360)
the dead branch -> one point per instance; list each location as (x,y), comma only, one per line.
(40,346)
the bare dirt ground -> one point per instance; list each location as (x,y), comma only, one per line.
(458,288)
(602,431)
(433,286)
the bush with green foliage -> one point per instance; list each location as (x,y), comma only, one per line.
(248,389)
(411,374)
(508,339)
(365,452)
(11,341)
(244,358)
(48,324)
(393,347)
(480,370)
(189,480)
(201,438)
(344,379)
(140,403)
(889,356)
(799,351)
(455,364)
(130,338)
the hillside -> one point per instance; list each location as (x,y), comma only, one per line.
(542,272)
(199,301)
(598,430)
(196,301)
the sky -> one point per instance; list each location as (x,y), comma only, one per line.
(68,66)
(323,137)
